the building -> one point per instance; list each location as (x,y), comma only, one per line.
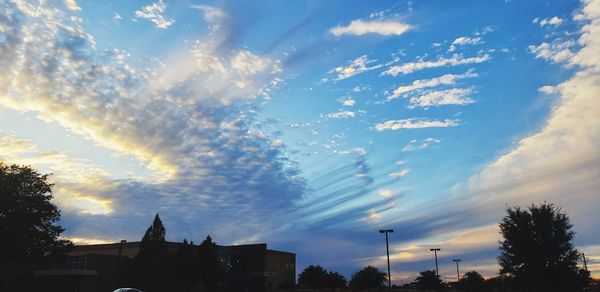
(96,267)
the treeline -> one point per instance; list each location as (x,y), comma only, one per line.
(189,268)
(316,277)
(537,254)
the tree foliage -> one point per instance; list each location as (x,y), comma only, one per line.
(471,282)
(316,277)
(335,280)
(368,278)
(428,280)
(153,243)
(313,277)
(537,251)
(28,217)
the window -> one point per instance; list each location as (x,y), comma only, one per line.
(77,262)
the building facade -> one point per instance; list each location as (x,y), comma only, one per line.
(102,267)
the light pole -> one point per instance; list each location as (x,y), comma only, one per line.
(435,250)
(584,262)
(387,249)
(457,272)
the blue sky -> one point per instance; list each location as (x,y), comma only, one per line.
(308,125)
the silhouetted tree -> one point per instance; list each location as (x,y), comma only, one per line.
(428,280)
(537,251)
(211,274)
(471,282)
(153,243)
(29,235)
(368,278)
(500,283)
(152,262)
(316,277)
(313,277)
(335,281)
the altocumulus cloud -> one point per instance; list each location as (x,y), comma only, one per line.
(184,122)
(155,13)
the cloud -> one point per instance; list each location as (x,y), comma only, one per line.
(78,182)
(558,51)
(72,5)
(560,163)
(190,120)
(554,21)
(415,145)
(155,13)
(357,66)
(347,101)
(447,79)
(547,89)
(339,115)
(399,174)
(461,41)
(421,64)
(381,27)
(117,17)
(453,96)
(212,15)
(415,124)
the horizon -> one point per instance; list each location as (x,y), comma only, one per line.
(309,126)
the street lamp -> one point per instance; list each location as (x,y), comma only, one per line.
(387,249)
(457,273)
(435,250)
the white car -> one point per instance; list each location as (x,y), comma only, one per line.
(127,290)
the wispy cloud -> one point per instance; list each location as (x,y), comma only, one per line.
(399,174)
(117,17)
(213,15)
(447,79)
(155,13)
(452,96)
(421,64)
(356,66)
(339,115)
(415,124)
(415,145)
(78,182)
(362,27)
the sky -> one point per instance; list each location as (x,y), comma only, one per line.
(309,125)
